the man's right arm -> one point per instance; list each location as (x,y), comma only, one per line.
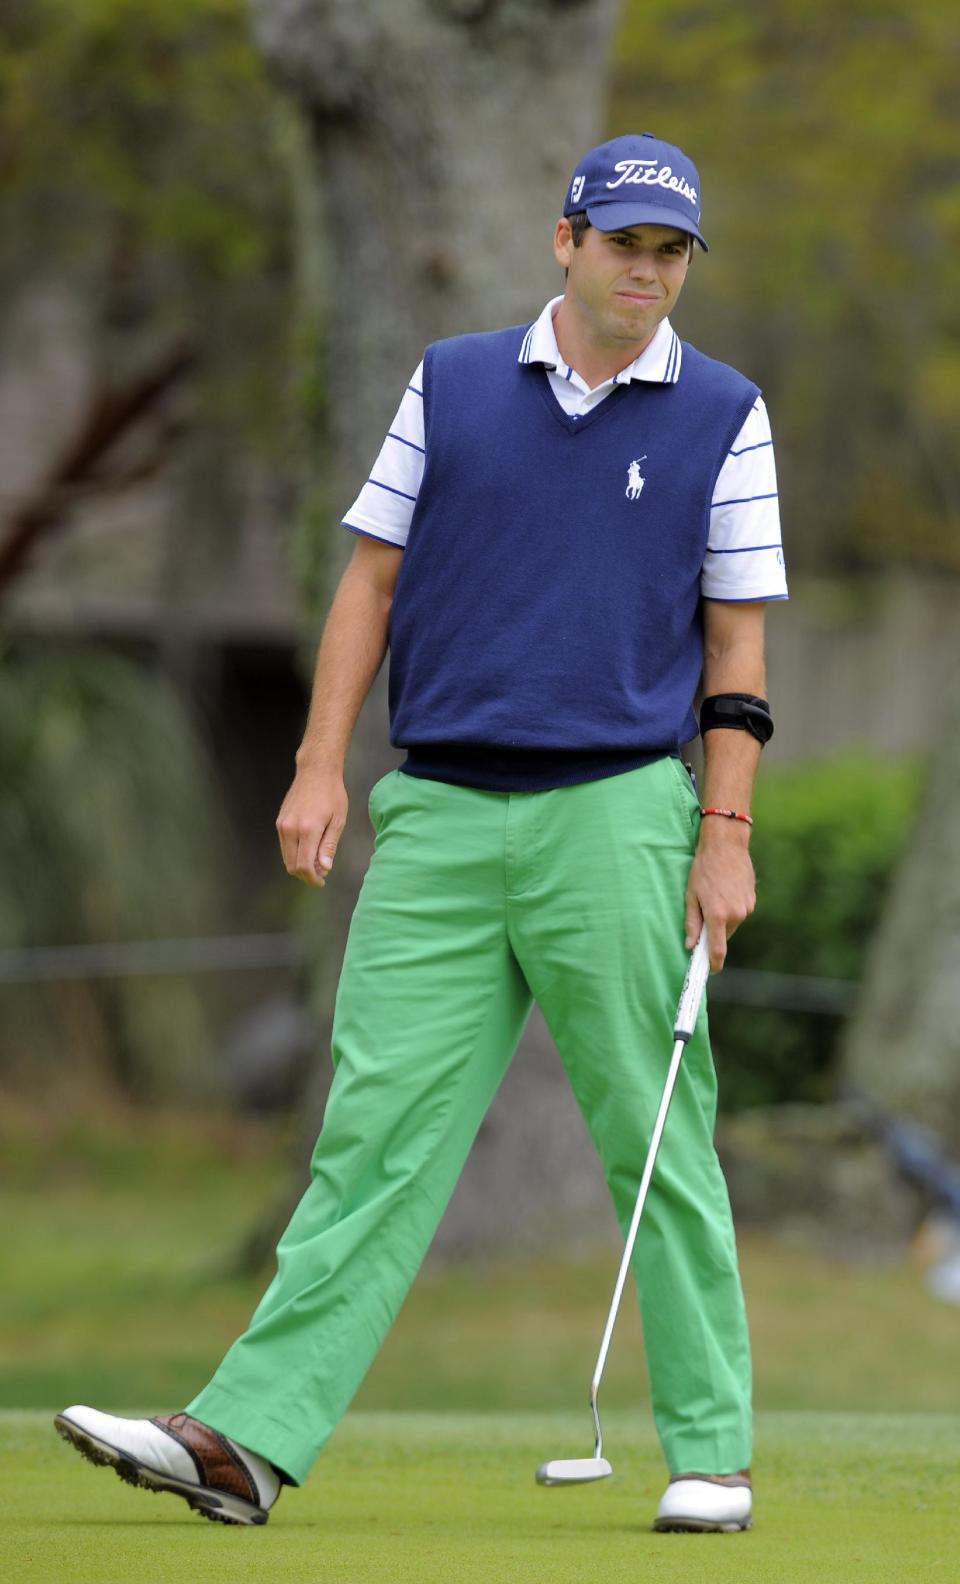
(352,647)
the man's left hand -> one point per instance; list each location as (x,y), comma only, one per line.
(721,888)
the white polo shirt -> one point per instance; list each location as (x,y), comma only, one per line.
(744,557)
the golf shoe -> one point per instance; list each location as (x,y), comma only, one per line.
(176,1453)
(706,1503)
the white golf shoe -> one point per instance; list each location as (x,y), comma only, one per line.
(706,1503)
(176,1453)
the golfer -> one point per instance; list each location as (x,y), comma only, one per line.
(571,526)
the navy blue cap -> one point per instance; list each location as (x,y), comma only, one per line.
(637,180)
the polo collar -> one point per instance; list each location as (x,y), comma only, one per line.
(658,363)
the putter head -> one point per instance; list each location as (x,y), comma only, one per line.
(573,1471)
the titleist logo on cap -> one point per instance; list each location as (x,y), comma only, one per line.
(650,174)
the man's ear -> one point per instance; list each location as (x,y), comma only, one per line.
(563,242)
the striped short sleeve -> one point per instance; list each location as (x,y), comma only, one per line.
(384,507)
(744,559)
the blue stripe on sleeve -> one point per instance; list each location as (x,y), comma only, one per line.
(751,599)
(744,549)
(758,447)
(744,500)
(367,535)
(415,391)
(411,443)
(391,489)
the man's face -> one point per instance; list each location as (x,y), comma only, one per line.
(622,283)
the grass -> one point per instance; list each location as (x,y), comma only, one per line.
(114,1294)
(449,1499)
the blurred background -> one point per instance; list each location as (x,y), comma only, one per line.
(228,232)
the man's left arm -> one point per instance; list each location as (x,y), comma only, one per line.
(721,887)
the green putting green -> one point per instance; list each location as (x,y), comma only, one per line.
(451,1499)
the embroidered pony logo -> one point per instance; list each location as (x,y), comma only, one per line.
(634,482)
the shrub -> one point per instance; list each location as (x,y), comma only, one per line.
(108,832)
(827,837)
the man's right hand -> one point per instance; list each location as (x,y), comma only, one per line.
(311,819)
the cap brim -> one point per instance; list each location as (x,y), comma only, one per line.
(619,216)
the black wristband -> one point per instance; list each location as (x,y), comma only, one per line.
(738,712)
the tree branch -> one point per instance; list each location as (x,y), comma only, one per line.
(111,414)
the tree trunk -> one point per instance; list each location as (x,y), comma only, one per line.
(903,1044)
(441,135)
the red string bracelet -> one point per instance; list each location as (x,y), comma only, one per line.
(727,814)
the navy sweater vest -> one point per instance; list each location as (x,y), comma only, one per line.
(546,625)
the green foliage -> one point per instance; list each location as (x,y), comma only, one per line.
(826,141)
(108,832)
(106,100)
(142,157)
(826,839)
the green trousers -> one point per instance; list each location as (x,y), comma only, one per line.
(474,905)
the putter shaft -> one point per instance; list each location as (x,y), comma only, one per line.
(687,1010)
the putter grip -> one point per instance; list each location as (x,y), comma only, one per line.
(688,1006)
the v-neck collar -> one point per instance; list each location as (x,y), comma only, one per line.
(572,424)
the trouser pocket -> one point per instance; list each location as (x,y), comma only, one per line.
(375,806)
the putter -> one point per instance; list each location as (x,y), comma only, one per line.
(580,1471)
